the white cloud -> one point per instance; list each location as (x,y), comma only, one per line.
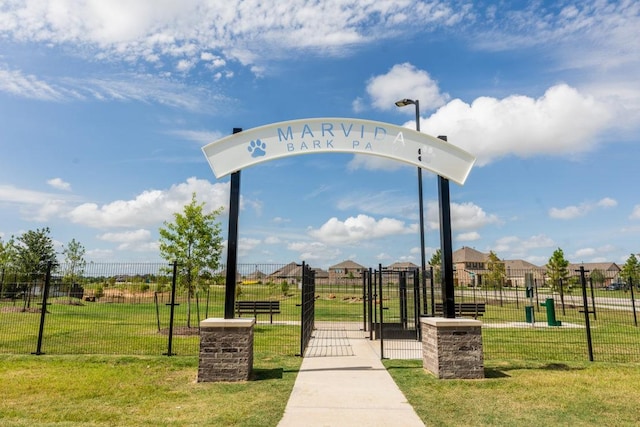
(519,246)
(28,86)
(598,254)
(357,229)
(468,237)
(607,203)
(280,220)
(272,240)
(405,81)
(140,235)
(464,216)
(214,31)
(635,214)
(571,212)
(59,184)
(245,245)
(594,34)
(314,251)
(151,206)
(133,240)
(561,122)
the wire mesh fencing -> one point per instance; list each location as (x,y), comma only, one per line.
(136,309)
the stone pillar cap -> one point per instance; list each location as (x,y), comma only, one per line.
(442,322)
(227,323)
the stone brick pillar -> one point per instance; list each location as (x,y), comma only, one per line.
(226,350)
(452,348)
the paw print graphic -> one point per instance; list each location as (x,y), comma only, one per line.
(257,148)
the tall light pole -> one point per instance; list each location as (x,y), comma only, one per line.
(423,261)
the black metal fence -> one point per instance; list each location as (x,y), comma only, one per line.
(134,309)
(138,309)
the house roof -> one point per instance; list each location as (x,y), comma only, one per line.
(402,266)
(605,267)
(291,269)
(347,264)
(466,254)
(320,273)
(519,264)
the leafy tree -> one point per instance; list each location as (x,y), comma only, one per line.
(436,263)
(496,269)
(74,262)
(7,253)
(557,269)
(631,270)
(194,241)
(34,252)
(597,277)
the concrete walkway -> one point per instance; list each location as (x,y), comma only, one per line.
(343,383)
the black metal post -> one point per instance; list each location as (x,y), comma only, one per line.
(593,299)
(585,306)
(446,247)
(433,296)
(232,243)
(172,304)
(416,306)
(402,290)
(381,311)
(370,303)
(43,311)
(633,303)
(364,300)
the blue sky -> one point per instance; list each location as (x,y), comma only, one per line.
(104,108)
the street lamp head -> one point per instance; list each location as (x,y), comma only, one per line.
(405,102)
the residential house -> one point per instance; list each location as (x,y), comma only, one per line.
(346,270)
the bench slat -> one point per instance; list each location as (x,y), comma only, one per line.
(258,307)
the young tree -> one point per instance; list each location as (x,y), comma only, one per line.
(34,252)
(557,269)
(7,253)
(496,269)
(597,277)
(631,270)
(194,241)
(74,262)
(436,263)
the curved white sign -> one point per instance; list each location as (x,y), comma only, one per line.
(337,135)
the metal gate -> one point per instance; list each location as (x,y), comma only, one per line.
(307,311)
(393,308)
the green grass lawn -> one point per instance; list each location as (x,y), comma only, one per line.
(521,393)
(161,391)
(139,391)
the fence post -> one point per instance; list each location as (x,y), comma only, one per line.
(45,296)
(585,307)
(172,310)
(633,302)
(381,310)
(593,299)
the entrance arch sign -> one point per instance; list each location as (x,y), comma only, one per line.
(337,135)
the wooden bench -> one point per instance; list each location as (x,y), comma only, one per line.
(258,307)
(466,309)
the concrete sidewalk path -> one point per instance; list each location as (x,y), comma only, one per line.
(342,382)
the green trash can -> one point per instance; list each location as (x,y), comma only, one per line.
(528,312)
(551,312)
